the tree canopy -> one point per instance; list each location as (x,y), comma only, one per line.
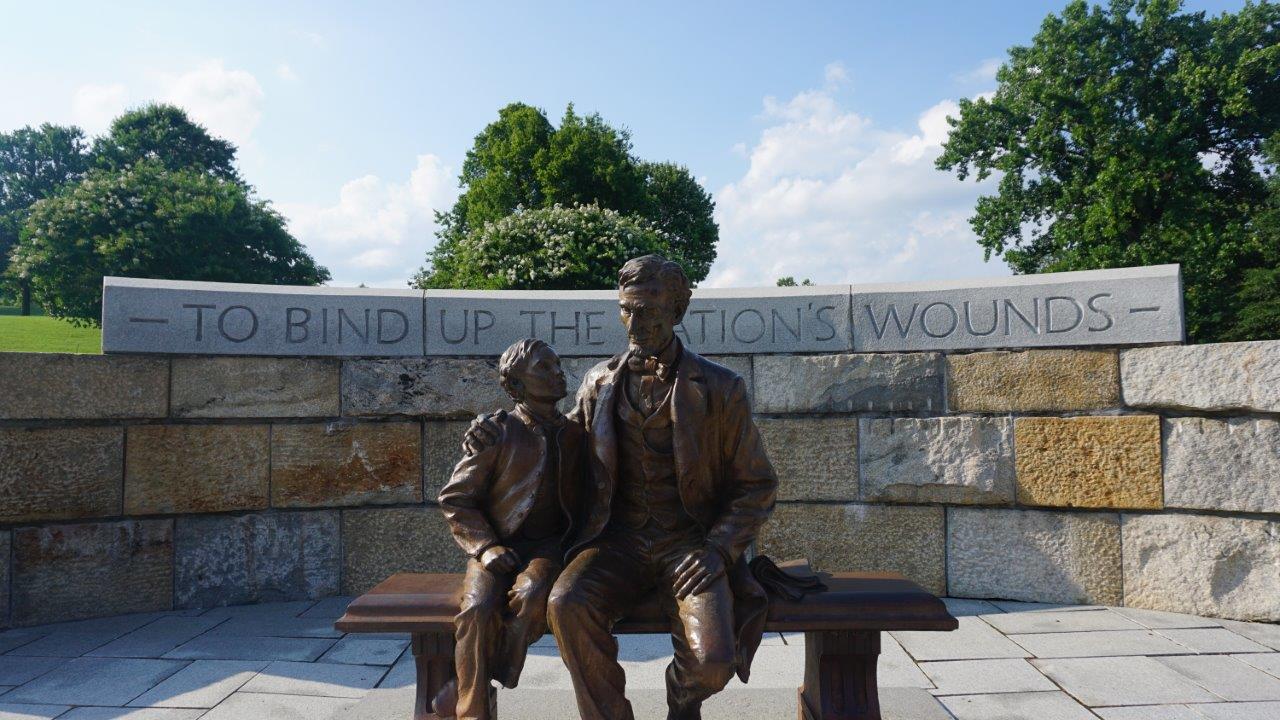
(521,162)
(151,221)
(165,134)
(1132,135)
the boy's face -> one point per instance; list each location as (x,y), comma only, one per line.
(542,377)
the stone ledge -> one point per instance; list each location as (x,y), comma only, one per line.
(67,572)
(1222,464)
(345,463)
(1033,381)
(1089,462)
(237,387)
(56,386)
(1242,376)
(196,468)
(910,382)
(962,460)
(60,473)
(1203,565)
(1034,555)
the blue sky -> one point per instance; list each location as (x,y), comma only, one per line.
(813,124)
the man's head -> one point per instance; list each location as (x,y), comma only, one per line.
(653,294)
(530,370)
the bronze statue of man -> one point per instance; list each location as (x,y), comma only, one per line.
(678,484)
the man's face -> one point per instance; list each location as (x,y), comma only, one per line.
(542,377)
(648,313)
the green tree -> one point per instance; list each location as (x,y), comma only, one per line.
(35,163)
(522,162)
(150,221)
(1258,299)
(1130,135)
(165,134)
(555,248)
(790,281)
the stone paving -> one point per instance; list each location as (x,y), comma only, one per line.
(284,661)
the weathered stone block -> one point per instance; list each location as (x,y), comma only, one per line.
(5,555)
(910,382)
(60,473)
(1222,464)
(815,458)
(853,537)
(196,468)
(1203,565)
(1097,462)
(575,368)
(267,557)
(1034,555)
(56,386)
(442,450)
(435,387)
(237,387)
(1033,381)
(740,364)
(346,463)
(378,542)
(64,572)
(967,460)
(1222,376)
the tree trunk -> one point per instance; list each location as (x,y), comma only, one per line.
(26,298)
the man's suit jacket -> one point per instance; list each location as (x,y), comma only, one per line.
(490,494)
(726,481)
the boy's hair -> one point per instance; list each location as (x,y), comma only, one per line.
(643,269)
(514,360)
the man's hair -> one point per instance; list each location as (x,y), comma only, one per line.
(515,359)
(646,268)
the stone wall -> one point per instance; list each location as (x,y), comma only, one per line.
(1147,477)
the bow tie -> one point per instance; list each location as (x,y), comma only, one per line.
(650,366)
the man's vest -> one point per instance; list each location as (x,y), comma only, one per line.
(648,486)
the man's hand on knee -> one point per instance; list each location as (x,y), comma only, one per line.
(698,571)
(483,432)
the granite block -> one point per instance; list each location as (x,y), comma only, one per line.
(346,463)
(60,473)
(907,383)
(1219,377)
(1033,381)
(1090,462)
(815,458)
(378,542)
(242,387)
(55,386)
(430,387)
(960,460)
(1213,464)
(196,468)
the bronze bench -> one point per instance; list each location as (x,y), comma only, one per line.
(841,625)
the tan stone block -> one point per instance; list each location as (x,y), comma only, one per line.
(442,451)
(196,468)
(856,537)
(379,542)
(57,386)
(1033,381)
(1034,555)
(815,458)
(65,572)
(346,463)
(60,473)
(242,387)
(1097,462)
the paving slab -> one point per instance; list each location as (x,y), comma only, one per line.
(266,626)
(1240,711)
(157,638)
(961,607)
(1013,606)
(202,684)
(1016,706)
(318,679)
(17,670)
(1265,633)
(1159,619)
(102,713)
(332,607)
(1213,640)
(1102,643)
(18,711)
(980,677)
(1122,681)
(95,681)
(251,648)
(259,706)
(895,669)
(972,640)
(1266,662)
(11,639)
(293,608)
(356,650)
(403,674)
(1050,622)
(1226,677)
(74,639)
(1149,712)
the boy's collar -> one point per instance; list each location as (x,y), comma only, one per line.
(528,417)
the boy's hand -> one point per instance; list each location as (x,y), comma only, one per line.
(499,559)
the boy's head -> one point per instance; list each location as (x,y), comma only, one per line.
(530,370)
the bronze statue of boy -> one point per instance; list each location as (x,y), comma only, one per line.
(511,507)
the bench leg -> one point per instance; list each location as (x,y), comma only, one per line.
(840,675)
(433,655)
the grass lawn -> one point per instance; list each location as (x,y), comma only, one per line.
(45,334)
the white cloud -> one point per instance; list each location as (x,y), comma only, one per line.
(835,74)
(377,232)
(984,73)
(286,73)
(227,102)
(829,195)
(95,106)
